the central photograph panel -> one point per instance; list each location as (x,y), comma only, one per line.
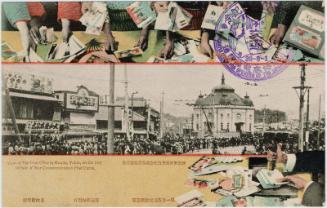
(150,109)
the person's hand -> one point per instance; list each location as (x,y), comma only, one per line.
(168,50)
(86,6)
(204,47)
(226,184)
(25,39)
(143,40)
(66,32)
(110,44)
(35,24)
(298,182)
(269,6)
(278,35)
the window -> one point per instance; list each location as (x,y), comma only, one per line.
(197,126)
(221,126)
(250,127)
(238,116)
(227,126)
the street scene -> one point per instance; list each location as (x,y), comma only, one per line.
(148,109)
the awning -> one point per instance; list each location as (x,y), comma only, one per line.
(32,96)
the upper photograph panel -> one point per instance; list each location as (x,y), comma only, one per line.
(255,32)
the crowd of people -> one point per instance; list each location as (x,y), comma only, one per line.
(55,144)
(60,144)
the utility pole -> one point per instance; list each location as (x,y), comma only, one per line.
(191,131)
(319,109)
(148,122)
(11,110)
(264,114)
(162,114)
(132,113)
(111,110)
(302,90)
(307,120)
(264,121)
(126,117)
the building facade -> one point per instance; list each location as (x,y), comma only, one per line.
(29,107)
(223,113)
(78,112)
(144,121)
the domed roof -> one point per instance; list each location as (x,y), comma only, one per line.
(222,87)
(223,95)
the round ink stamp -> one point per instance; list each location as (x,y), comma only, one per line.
(240,46)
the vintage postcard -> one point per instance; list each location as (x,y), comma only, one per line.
(163,104)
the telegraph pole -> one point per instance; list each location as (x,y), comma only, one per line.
(307,119)
(111,110)
(319,109)
(302,90)
(11,110)
(126,104)
(162,114)
(264,121)
(148,122)
(132,113)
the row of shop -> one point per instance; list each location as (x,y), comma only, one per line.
(37,109)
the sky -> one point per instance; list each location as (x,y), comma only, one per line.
(184,82)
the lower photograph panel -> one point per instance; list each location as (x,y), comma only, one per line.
(151,181)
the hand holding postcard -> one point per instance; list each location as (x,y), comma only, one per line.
(172,19)
(141,13)
(95,18)
(211,17)
(269,178)
(307,31)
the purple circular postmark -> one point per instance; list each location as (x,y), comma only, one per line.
(239,45)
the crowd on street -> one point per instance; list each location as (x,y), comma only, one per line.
(58,144)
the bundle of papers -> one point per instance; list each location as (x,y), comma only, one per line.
(172,19)
(229,159)
(98,57)
(269,178)
(141,13)
(246,191)
(185,51)
(211,17)
(226,201)
(95,18)
(202,163)
(7,51)
(258,201)
(190,199)
(64,52)
(208,165)
(201,183)
(286,53)
(136,51)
